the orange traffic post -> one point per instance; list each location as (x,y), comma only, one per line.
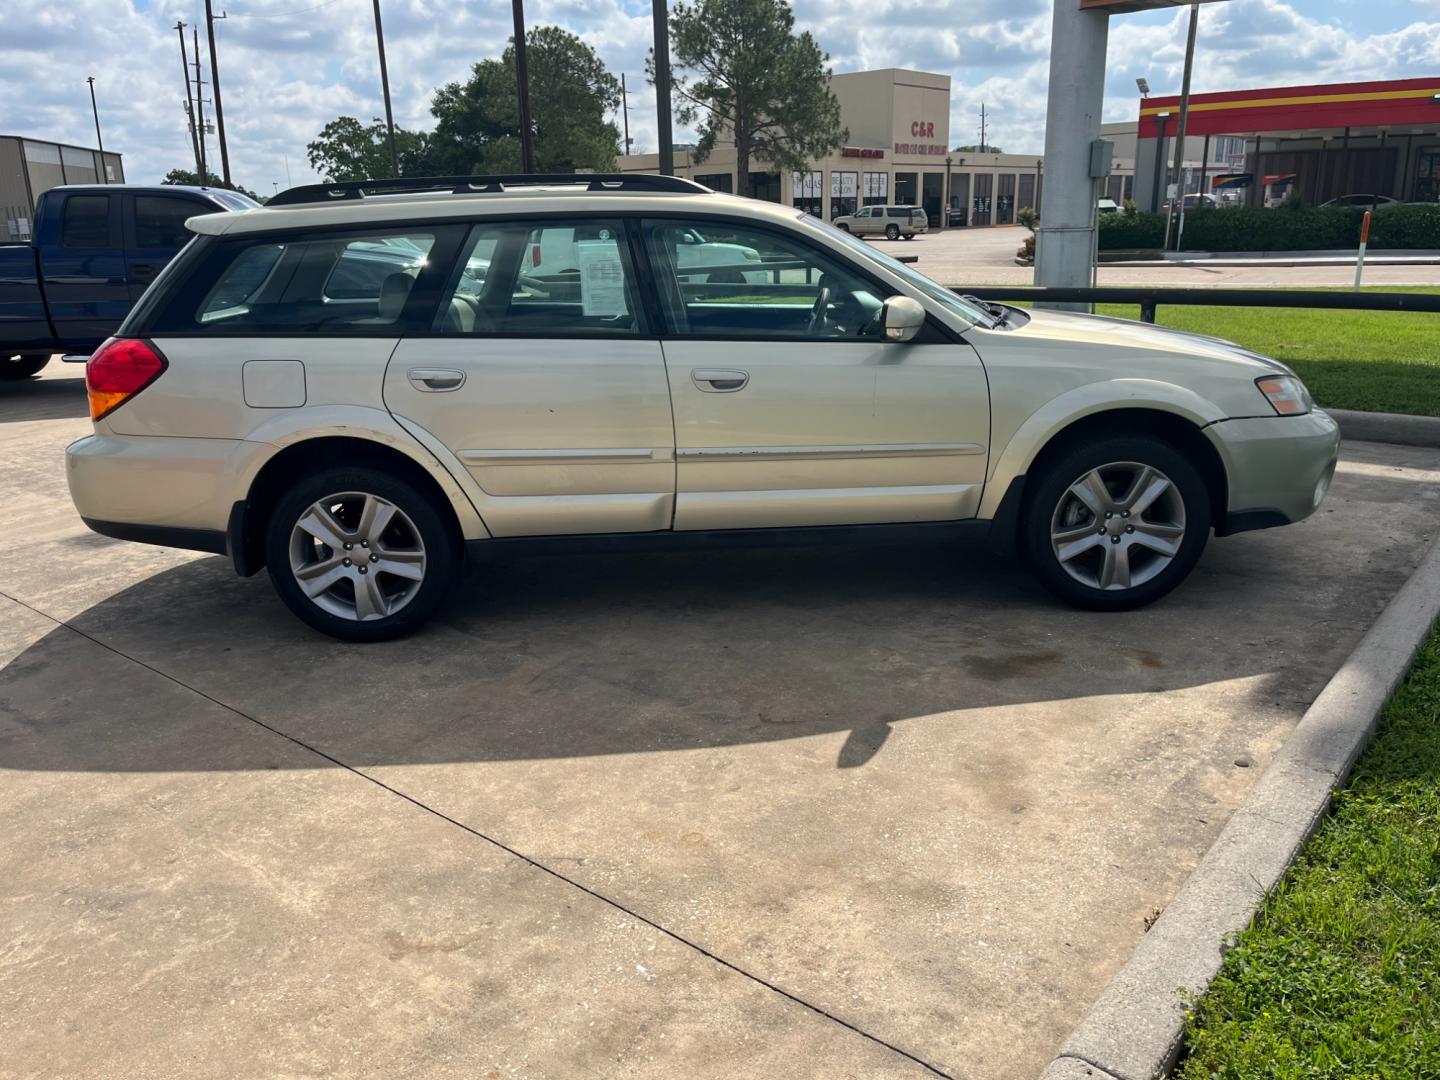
(1364,242)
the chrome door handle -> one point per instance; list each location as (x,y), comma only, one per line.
(719,380)
(435,380)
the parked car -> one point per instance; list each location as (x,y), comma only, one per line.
(891,222)
(1365,202)
(362,442)
(1107,206)
(96,249)
(1192,203)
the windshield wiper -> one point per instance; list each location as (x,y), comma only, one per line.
(996,311)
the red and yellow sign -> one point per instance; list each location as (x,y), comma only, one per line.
(1299,108)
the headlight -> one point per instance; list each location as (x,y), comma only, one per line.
(1286,394)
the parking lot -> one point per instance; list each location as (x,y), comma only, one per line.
(851,812)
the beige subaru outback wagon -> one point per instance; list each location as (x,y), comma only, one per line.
(360,386)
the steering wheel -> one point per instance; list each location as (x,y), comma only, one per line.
(819,314)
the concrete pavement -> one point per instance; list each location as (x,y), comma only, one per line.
(848,812)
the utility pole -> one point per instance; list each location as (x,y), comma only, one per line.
(625,110)
(215,88)
(200,109)
(1179,201)
(101,142)
(660,16)
(522,90)
(385,90)
(189,100)
(983,141)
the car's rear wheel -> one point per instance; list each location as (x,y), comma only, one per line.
(1116,523)
(909,236)
(359,554)
(22,365)
(892,232)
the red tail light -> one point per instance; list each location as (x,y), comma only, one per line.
(534,255)
(119,370)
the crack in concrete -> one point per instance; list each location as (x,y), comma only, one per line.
(533,863)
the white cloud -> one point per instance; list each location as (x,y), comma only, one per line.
(289,66)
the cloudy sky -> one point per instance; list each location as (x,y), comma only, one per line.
(289,66)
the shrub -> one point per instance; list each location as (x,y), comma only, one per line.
(1406,227)
(1130,232)
(1028,217)
(1304,228)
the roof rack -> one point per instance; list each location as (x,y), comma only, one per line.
(479,185)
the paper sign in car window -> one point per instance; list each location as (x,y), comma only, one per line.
(602,278)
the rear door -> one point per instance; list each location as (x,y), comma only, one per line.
(84,268)
(549,388)
(154,232)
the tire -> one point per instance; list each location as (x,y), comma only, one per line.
(892,232)
(23,365)
(843,227)
(725,277)
(909,236)
(1130,558)
(356,606)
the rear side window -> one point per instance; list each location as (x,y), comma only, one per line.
(309,284)
(567,278)
(160,221)
(85,222)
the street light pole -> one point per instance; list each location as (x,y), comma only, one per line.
(522,90)
(215,87)
(1184,120)
(660,16)
(385,91)
(101,142)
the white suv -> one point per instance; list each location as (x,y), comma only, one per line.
(360,386)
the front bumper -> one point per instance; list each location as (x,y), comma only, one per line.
(1279,467)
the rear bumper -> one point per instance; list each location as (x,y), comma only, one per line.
(1279,468)
(162,536)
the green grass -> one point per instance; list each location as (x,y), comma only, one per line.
(1340,975)
(1378,361)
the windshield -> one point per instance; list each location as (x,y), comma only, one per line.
(952,303)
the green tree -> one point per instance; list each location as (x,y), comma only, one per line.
(572,93)
(744,74)
(973,148)
(346,149)
(190,178)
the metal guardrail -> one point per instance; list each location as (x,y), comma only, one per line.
(1150,299)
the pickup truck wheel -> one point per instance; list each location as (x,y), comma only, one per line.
(22,365)
(359,554)
(843,227)
(892,232)
(1116,523)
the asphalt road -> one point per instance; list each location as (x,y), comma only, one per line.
(881,812)
(987,257)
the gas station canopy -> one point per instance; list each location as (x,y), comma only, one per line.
(1120,6)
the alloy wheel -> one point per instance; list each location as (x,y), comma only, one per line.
(357,556)
(1118,526)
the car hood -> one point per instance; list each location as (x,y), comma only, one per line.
(1133,334)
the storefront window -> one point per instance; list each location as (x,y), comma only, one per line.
(807,192)
(718,182)
(844,187)
(875,188)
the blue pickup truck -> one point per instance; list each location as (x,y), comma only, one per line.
(96,249)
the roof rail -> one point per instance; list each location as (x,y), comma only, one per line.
(309,194)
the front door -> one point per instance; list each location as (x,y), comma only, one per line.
(546,386)
(790,408)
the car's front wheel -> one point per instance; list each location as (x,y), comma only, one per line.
(22,365)
(360,554)
(1115,523)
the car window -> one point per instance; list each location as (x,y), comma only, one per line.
(566,279)
(746,282)
(160,220)
(85,222)
(321,284)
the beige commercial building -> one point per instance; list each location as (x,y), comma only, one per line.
(29,167)
(899,151)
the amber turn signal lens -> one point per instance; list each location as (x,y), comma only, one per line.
(1286,394)
(119,370)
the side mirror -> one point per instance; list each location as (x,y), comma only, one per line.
(902,318)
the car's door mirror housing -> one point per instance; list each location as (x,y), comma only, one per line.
(902,318)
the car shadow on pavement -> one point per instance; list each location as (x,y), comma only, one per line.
(42,399)
(566,657)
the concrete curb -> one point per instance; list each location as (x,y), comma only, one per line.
(1134,1031)
(1388,427)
